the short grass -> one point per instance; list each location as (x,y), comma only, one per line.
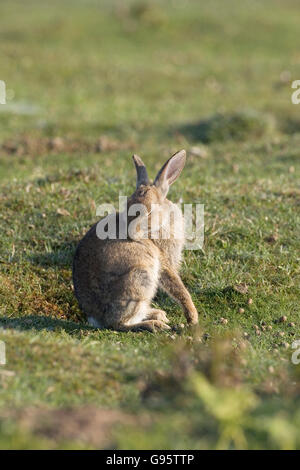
(151,78)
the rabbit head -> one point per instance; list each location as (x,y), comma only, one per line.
(151,197)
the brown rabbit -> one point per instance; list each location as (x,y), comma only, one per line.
(115,280)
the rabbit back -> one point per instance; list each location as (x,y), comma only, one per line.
(114,280)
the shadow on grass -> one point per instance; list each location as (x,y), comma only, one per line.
(62,257)
(39,323)
(238,126)
(230,295)
(288,159)
(290,125)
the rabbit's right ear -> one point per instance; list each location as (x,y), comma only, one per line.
(170,172)
(141,172)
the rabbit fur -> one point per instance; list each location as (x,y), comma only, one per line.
(115,280)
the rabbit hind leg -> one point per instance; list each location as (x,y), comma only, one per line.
(157,314)
(149,325)
(141,319)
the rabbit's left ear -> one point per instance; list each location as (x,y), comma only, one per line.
(170,172)
(141,171)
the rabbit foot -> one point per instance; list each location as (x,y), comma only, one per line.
(150,325)
(157,314)
(157,325)
(192,317)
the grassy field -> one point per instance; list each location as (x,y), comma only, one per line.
(88,84)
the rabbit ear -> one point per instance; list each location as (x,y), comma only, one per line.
(170,171)
(141,172)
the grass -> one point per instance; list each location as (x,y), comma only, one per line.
(151,78)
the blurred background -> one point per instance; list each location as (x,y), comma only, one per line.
(144,71)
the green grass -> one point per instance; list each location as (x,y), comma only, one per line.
(151,78)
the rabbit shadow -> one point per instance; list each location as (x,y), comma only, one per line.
(40,323)
(61,257)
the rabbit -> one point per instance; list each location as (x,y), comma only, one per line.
(115,280)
